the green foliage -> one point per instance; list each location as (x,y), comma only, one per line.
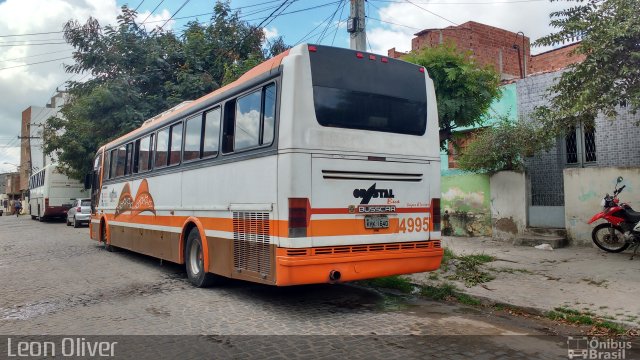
(464,89)
(392,282)
(137,74)
(503,146)
(609,76)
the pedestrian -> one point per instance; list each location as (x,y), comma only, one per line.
(18,207)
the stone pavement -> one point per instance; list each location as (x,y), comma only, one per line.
(580,278)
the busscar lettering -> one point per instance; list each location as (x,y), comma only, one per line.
(367,194)
(372,209)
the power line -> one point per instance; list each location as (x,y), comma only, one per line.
(152,11)
(339,22)
(431,12)
(175,13)
(38,44)
(30,56)
(31,34)
(35,63)
(137,7)
(335,12)
(270,15)
(392,23)
(463,3)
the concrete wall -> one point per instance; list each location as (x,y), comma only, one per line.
(466,201)
(508,204)
(584,190)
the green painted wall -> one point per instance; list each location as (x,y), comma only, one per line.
(466,200)
(506,105)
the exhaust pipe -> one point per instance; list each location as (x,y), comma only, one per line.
(334,275)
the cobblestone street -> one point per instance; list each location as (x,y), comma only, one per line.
(55,280)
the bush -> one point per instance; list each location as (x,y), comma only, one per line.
(504,146)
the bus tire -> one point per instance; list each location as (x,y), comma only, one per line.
(103,238)
(194,261)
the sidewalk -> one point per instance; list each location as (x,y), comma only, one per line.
(580,278)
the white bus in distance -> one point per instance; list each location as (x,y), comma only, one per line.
(319,165)
(51,193)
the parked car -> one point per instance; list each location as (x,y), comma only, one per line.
(80,213)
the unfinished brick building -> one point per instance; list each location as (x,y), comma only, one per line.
(508,52)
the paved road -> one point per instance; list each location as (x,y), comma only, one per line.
(55,280)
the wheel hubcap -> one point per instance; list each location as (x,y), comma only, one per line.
(196,260)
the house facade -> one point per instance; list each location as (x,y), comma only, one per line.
(608,144)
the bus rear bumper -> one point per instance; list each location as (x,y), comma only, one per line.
(294,267)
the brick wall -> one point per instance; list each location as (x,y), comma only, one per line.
(554,60)
(495,47)
(488,45)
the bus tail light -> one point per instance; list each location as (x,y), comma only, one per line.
(313,48)
(299,216)
(385,60)
(435,213)
(359,55)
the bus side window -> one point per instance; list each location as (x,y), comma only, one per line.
(141,162)
(114,162)
(268,114)
(176,144)
(162,148)
(128,159)
(107,162)
(121,161)
(192,138)
(228,126)
(211,133)
(247,133)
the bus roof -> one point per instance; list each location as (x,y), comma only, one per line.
(183,107)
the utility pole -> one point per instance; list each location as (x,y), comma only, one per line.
(355,26)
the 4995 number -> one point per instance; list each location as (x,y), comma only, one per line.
(414,225)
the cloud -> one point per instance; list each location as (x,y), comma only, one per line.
(25,85)
(270,33)
(155,20)
(532,18)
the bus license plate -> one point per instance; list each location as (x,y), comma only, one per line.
(376,222)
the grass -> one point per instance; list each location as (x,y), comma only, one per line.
(392,282)
(577,317)
(442,292)
(468,269)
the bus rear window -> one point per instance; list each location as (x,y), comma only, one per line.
(368,94)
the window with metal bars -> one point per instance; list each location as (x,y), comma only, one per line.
(580,145)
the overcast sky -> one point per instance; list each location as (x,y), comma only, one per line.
(391,23)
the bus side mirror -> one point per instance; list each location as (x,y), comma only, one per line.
(88,179)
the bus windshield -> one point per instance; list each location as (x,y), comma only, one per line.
(366,93)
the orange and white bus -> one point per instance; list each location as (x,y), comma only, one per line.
(318,165)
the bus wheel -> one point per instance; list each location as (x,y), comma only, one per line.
(103,238)
(194,260)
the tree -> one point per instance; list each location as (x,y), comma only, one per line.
(609,76)
(504,145)
(464,89)
(137,74)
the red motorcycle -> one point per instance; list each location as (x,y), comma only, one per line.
(622,228)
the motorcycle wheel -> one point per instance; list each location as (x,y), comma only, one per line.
(609,237)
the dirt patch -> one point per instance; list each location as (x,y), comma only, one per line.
(506,225)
